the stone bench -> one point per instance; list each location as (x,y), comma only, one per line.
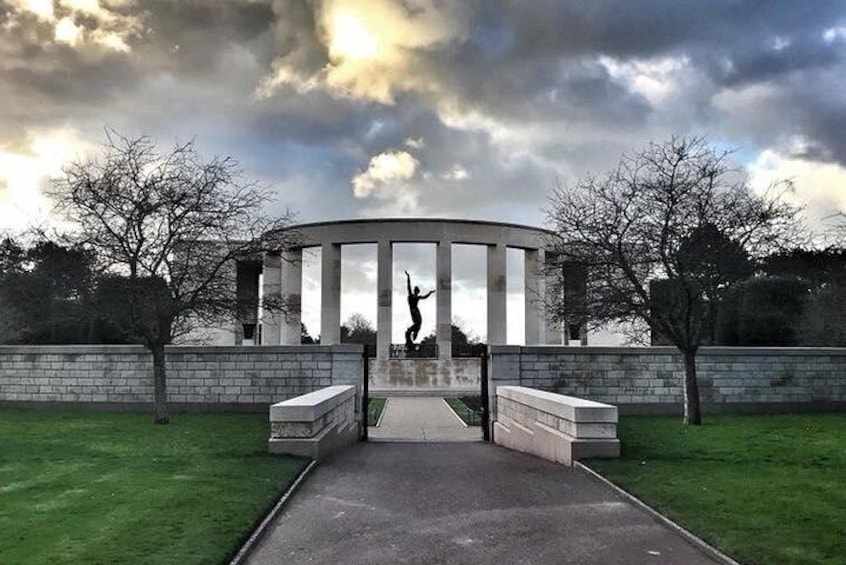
(553,426)
(314,424)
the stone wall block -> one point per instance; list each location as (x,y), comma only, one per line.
(642,375)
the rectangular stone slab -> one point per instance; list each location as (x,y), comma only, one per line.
(567,407)
(309,407)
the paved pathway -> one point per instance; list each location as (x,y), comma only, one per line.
(421,418)
(428,503)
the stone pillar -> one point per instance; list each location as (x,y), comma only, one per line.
(503,369)
(247,296)
(497,297)
(533,297)
(384,289)
(271,291)
(443,296)
(552,331)
(330,294)
(292,289)
(574,277)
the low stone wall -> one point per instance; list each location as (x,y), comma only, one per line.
(314,424)
(198,377)
(252,378)
(449,377)
(649,379)
(553,426)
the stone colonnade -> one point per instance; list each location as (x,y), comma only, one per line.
(283,277)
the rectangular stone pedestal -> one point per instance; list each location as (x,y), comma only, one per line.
(553,426)
(314,424)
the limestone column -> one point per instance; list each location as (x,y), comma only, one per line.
(384,289)
(443,296)
(247,296)
(552,330)
(330,294)
(574,277)
(497,297)
(271,290)
(533,297)
(292,289)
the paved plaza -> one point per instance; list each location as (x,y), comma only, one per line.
(421,418)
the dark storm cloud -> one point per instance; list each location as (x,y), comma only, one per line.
(537,61)
(652,27)
(43,81)
(199,30)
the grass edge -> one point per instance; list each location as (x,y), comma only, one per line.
(246,544)
(455,413)
(688,536)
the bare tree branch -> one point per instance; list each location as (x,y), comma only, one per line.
(676,212)
(174,225)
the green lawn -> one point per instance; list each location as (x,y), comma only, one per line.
(764,489)
(461,406)
(374,410)
(114,488)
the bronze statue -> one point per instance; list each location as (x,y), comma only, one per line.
(416,318)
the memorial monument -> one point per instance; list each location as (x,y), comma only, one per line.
(282,277)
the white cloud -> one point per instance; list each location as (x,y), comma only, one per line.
(417,143)
(90,7)
(25,171)
(655,79)
(833,34)
(67,32)
(375,48)
(387,171)
(819,187)
(86,22)
(41,8)
(456,173)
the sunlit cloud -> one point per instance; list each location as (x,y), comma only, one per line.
(415,143)
(819,187)
(350,39)
(108,24)
(655,79)
(373,48)
(386,171)
(25,172)
(67,32)
(41,8)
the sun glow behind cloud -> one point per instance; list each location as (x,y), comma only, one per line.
(375,48)
(41,8)
(386,173)
(350,39)
(819,187)
(24,173)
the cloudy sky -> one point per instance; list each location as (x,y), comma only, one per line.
(455,108)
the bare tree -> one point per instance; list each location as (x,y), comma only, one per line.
(358,329)
(169,227)
(677,212)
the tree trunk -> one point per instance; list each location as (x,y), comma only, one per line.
(692,415)
(159,384)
